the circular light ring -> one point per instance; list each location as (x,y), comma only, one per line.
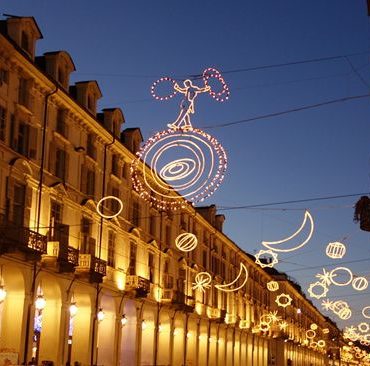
(345,269)
(360,283)
(310,334)
(313,326)
(109,198)
(321,343)
(194,179)
(366,337)
(364,312)
(363,327)
(266,318)
(224,93)
(161,80)
(186,242)
(335,250)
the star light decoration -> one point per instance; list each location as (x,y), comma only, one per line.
(339,307)
(283,300)
(324,277)
(317,295)
(202,281)
(283,325)
(182,163)
(270,264)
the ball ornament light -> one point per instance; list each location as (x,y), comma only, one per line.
(335,250)
(186,242)
(360,283)
(273,286)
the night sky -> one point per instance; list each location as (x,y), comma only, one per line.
(314,52)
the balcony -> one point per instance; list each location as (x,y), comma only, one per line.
(17,238)
(65,255)
(94,268)
(183,302)
(140,285)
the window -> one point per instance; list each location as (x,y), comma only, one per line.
(25,42)
(111,248)
(214,298)
(151,267)
(61,126)
(61,76)
(87,242)
(204,259)
(90,187)
(90,148)
(114,204)
(152,228)
(57,231)
(132,261)
(4,77)
(24,139)
(24,92)
(168,234)
(61,164)
(135,212)
(2,123)
(18,204)
(115,170)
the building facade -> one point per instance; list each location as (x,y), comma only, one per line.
(78,288)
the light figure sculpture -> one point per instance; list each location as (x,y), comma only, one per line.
(273,256)
(182,162)
(317,294)
(100,203)
(273,244)
(186,242)
(232,286)
(283,300)
(335,250)
(334,274)
(202,281)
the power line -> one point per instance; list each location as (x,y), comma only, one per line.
(228,208)
(293,110)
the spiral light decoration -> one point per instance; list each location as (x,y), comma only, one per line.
(176,165)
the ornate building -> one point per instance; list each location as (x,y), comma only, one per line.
(77,287)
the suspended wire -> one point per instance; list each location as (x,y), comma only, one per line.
(288,111)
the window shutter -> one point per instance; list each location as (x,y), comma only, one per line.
(52,157)
(27,206)
(9,197)
(32,142)
(83,179)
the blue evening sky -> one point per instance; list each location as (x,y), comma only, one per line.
(126,45)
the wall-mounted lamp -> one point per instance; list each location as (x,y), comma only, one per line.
(123,320)
(100,315)
(143,324)
(2,293)
(79,149)
(40,302)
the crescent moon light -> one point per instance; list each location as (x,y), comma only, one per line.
(226,287)
(270,244)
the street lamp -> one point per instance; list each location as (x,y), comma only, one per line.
(40,304)
(73,309)
(100,315)
(123,320)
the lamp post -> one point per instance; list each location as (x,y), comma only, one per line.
(73,309)
(40,304)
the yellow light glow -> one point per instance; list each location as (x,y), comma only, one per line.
(73,309)
(336,250)
(227,287)
(283,325)
(325,331)
(271,244)
(243,324)
(144,325)
(317,295)
(360,283)
(100,315)
(98,209)
(186,242)
(40,302)
(283,300)
(273,286)
(2,293)
(123,320)
(202,281)
(273,256)
(313,326)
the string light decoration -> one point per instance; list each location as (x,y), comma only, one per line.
(334,274)
(365,311)
(321,343)
(186,242)
(181,161)
(272,244)
(283,325)
(274,317)
(192,164)
(229,287)
(273,286)
(360,283)
(283,300)
(224,93)
(202,281)
(313,326)
(324,277)
(339,307)
(335,250)
(273,258)
(363,327)
(318,295)
(98,209)
(310,334)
